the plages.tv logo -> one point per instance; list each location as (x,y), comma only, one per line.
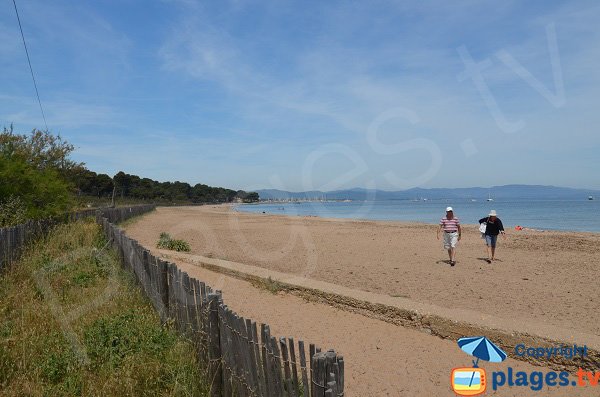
(471,381)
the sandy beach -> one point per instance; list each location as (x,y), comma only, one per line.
(546,277)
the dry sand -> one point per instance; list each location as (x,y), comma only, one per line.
(381,359)
(545,277)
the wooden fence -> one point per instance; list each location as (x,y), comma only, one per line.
(242,358)
(14,239)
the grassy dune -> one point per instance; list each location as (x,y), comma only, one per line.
(72,322)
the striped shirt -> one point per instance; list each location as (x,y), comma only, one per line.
(450,225)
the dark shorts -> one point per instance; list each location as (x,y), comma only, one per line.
(490,241)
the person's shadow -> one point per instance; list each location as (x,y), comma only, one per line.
(447,262)
(486,260)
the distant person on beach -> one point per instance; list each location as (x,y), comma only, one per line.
(450,225)
(493,228)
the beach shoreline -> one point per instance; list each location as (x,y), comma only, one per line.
(233,207)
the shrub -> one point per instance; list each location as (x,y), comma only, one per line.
(41,193)
(166,242)
(12,212)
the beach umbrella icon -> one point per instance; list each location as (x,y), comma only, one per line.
(482,348)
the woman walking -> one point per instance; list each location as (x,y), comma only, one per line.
(493,227)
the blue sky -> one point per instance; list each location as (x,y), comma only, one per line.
(314,95)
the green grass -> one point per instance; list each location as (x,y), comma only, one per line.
(166,242)
(73,323)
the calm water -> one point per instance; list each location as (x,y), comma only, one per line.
(580,215)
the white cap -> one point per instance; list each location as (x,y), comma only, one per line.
(492,213)
(448,209)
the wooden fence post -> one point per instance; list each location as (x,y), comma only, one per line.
(225,351)
(163,287)
(318,375)
(254,369)
(340,374)
(262,386)
(327,374)
(303,369)
(294,366)
(214,351)
(286,368)
(266,361)
(277,370)
(245,365)
(331,372)
(171,294)
(190,305)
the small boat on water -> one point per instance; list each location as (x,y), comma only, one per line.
(590,197)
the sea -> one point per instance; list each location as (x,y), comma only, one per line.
(565,215)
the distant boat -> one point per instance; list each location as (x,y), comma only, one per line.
(590,197)
(473,200)
(490,197)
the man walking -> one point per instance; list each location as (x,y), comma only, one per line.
(450,226)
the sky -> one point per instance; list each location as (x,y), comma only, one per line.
(311,94)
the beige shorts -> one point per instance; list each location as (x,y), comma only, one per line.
(450,240)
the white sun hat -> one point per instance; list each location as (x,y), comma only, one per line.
(448,209)
(492,213)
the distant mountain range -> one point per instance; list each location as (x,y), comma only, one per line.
(479,193)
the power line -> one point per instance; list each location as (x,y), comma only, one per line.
(30,68)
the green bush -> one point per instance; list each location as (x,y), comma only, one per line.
(166,242)
(32,170)
(12,212)
(40,192)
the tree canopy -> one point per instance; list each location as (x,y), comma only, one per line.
(32,179)
(40,149)
(144,188)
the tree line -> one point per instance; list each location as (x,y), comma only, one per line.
(38,179)
(101,185)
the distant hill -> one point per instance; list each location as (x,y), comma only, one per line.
(540,192)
